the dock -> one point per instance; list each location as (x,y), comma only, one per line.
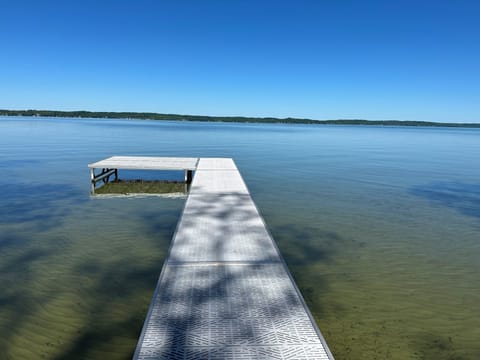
(224,291)
(109,167)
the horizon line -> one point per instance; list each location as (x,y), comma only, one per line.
(230,118)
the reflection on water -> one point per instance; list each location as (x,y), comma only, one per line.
(379,227)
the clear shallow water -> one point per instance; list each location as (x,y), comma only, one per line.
(380,228)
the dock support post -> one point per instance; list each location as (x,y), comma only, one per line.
(188,176)
(92,181)
(103,176)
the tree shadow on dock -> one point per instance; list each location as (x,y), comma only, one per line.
(225,295)
(224,312)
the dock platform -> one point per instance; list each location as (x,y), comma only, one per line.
(111,165)
(225,291)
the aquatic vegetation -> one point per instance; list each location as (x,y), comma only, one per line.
(142,187)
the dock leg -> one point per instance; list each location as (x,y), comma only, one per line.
(188,179)
(116,175)
(92,181)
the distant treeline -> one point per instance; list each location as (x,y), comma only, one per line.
(239,119)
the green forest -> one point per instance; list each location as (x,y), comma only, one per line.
(238,119)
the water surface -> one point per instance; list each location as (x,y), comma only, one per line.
(380,227)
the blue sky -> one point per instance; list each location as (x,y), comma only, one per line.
(409,60)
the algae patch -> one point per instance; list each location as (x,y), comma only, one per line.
(142,187)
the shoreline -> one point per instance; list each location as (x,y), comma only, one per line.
(225,119)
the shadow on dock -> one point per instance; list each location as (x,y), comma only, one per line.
(229,296)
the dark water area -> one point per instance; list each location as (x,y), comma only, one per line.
(380,227)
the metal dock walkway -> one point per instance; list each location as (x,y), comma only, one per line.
(224,291)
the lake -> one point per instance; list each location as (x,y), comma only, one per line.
(380,227)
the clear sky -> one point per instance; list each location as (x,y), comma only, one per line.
(408,60)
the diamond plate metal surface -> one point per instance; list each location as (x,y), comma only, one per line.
(218,182)
(216,164)
(229,312)
(225,292)
(222,228)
